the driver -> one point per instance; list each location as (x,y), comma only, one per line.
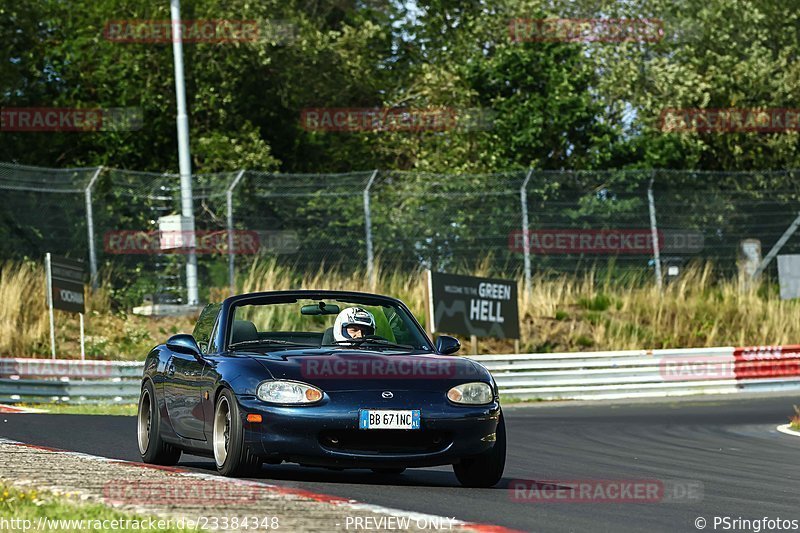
(353,323)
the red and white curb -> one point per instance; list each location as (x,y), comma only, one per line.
(337,501)
(14,409)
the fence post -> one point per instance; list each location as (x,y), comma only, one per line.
(526,239)
(368,229)
(654,233)
(90,226)
(231,254)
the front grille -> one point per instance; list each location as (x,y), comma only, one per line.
(385,440)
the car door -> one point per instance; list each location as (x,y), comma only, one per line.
(183,394)
(184,384)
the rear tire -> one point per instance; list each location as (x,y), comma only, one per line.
(232,457)
(152,447)
(486,469)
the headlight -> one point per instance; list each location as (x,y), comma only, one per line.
(288,392)
(477,393)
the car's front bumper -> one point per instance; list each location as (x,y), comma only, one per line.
(327,434)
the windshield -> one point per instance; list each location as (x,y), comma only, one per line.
(320,323)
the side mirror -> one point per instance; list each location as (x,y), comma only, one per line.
(184,343)
(446,345)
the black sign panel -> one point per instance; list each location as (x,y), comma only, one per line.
(67,283)
(482,307)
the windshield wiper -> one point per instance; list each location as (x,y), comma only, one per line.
(256,342)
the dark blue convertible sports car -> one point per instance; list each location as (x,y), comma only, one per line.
(321,378)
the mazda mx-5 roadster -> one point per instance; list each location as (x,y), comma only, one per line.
(320,378)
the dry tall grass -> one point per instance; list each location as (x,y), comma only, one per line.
(565,313)
(569,313)
(23,313)
(24,321)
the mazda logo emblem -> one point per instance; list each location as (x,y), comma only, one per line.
(387,394)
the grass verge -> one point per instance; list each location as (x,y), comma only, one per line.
(29,507)
(794,422)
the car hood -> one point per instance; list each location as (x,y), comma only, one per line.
(343,369)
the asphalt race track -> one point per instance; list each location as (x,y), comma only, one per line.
(747,469)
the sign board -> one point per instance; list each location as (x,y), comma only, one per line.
(175,232)
(468,305)
(789,276)
(67,277)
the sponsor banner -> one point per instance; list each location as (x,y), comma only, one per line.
(585,30)
(605,241)
(200,31)
(357,367)
(612,491)
(759,362)
(371,119)
(731,120)
(697,368)
(67,277)
(53,368)
(468,305)
(38,119)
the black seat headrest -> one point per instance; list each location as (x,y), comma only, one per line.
(243,330)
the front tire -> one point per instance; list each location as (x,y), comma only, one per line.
(152,447)
(232,457)
(486,469)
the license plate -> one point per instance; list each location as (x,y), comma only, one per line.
(375,419)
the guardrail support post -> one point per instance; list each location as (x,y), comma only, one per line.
(231,253)
(90,226)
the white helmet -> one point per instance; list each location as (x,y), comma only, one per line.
(353,316)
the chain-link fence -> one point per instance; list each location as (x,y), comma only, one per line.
(653,223)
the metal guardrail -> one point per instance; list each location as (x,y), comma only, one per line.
(48,380)
(583,375)
(644,373)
